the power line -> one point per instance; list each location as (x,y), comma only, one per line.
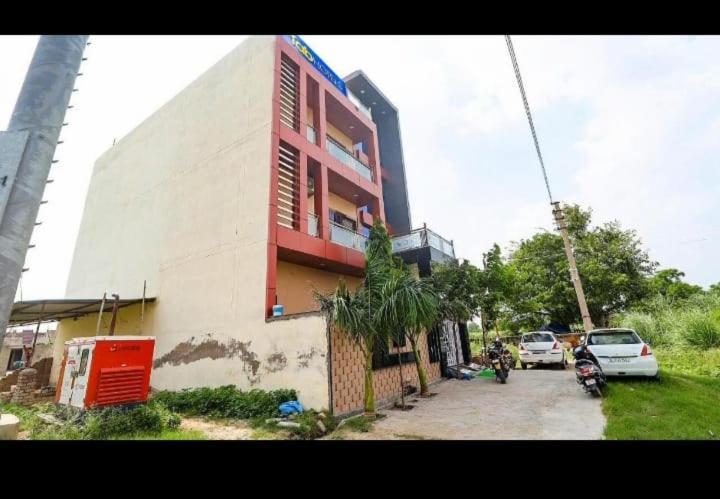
(527,111)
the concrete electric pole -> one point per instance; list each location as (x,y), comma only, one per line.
(574,275)
(27,150)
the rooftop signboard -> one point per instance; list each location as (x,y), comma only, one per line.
(304,50)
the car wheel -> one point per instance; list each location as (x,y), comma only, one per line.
(523,365)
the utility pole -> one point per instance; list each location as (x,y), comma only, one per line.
(574,275)
(27,150)
(557,211)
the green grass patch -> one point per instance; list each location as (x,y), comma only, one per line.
(226,402)
(683,405)
(165,435)
(97,424)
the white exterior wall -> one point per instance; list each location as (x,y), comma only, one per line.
(182,202)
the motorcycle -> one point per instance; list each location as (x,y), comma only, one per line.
(499,361)
(588,372)
(509,359)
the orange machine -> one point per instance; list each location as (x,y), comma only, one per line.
(101,371)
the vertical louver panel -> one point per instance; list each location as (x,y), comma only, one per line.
(288,211)
(289,93)
(121,385)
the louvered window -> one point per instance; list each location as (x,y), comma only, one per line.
(288,212)
(289,93)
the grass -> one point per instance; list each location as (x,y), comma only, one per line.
(683,405)
(165,435)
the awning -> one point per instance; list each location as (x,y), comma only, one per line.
(30,312)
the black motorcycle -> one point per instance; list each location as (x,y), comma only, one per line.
(499,361)
(588,372)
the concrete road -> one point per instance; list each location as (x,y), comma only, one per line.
(536,404)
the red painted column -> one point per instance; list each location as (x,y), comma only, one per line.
(321,118)
(303,192)
(322,201)
(303,102)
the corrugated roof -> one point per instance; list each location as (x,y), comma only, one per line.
(30,312)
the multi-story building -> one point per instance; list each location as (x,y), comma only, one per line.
(253,187)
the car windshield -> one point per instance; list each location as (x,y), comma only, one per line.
(537,338)
(614,338)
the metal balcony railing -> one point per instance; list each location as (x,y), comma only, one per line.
(347,237)
(344,156)
(420,238)
(313,225)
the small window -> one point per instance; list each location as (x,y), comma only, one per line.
(84,361)
(16,356)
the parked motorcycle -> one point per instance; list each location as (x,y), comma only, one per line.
(509,359)
(588,372)
(499,361)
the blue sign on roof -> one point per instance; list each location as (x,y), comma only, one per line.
(318,63)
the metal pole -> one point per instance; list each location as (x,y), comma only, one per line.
(574,275)
(37,330)
(111,332)
(142,309)
(39,111)
(102,306)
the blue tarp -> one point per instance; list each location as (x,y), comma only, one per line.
(292,407)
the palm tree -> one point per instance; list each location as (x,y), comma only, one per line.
(409,307)
(355,313)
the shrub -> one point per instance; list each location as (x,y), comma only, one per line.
(99,424)
(226,402)
(699,329)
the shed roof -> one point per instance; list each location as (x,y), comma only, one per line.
(30,312)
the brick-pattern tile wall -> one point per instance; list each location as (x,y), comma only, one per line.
(348,383)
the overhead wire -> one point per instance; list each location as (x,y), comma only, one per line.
(516,67)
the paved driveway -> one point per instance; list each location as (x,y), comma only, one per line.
(535,404)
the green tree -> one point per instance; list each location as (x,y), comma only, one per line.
(669,283)
(458,290)
(389,303)
(613,267)
(408,308)
(355,313)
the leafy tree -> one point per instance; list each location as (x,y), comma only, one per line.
(458,290)
(669,283)
(714,288)
(613,267)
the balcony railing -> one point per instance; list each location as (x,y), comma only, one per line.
(311,135)
(344,156)
(346,237)
(420,238)
(313,225)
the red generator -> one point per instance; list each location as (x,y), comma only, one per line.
(101,371)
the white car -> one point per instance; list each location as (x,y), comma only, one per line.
(621,352)
(541,347)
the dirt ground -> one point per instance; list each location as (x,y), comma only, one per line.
(537,404)
(215,430)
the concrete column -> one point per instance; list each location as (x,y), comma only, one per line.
(40,110)
(322,201)
(321,128)
(302,204)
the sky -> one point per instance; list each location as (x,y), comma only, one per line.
(628,125)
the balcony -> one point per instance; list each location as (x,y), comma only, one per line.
(346,237)
(420,238)
(346,158)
